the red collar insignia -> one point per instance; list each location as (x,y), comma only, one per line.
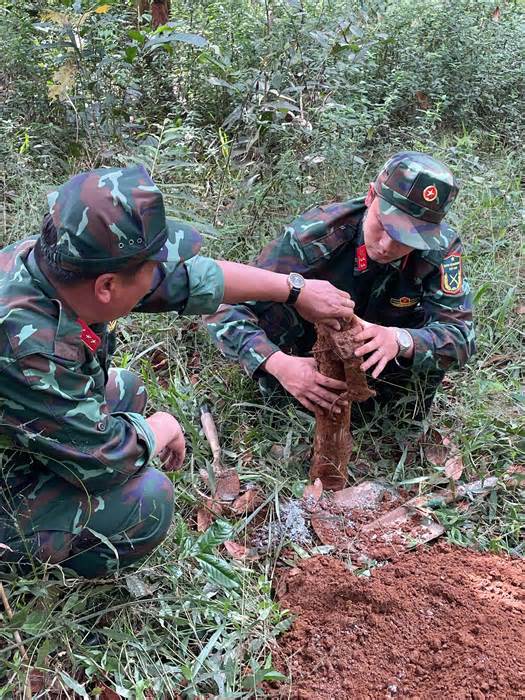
(89,337)
(362,258)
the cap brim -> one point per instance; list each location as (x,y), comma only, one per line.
(182,243)
(414,232)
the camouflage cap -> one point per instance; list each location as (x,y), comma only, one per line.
(415,191)
(111,218)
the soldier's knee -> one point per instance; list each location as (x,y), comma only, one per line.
(154,491)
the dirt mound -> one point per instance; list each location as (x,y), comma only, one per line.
(439,623)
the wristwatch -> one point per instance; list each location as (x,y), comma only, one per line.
(296,283)
(404,342)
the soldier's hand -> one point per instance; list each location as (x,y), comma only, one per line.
(379,342)
(173,455)
(320,300)
(299,376)
(169,439)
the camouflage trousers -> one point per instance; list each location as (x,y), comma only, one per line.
(47,519)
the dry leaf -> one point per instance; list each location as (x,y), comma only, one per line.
(312,494)
(106,693)
(158,360)
(62,81)
(39,680)
(454,467)
(435,449)
(496,14)
(238,551)
(55,17)
(521,309)
(227,485)
(102,9)
(247,502)
(207,514)
(498,359)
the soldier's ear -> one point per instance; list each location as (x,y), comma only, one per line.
(370,195)
(104,288)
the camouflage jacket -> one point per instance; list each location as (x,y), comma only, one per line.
(52,378)
(424,292)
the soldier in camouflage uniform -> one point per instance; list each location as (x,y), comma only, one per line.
(401,263)
(76,481)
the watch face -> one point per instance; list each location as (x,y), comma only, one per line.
(296,280)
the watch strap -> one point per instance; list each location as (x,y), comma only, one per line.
(294,295)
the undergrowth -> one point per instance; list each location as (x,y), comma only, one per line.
(191,621)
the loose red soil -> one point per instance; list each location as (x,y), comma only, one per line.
(443,623)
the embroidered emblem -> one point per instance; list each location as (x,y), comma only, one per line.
(89,337)
(403,302)
(451,274)
(430,193)
(362,258)
(112,325)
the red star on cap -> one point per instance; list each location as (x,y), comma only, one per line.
(430,193)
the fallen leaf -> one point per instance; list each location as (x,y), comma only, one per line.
(105,692)
(227,485)
(207,514)
(195,362)
(39,681)
(239,551)
(496,14)
(158,360)
(454,467)
(434,449)
(498,359)
(247,502)
(521,309)
(312,494)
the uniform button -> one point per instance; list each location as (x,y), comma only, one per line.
(101,426)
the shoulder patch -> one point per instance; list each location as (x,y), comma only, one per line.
(451,274)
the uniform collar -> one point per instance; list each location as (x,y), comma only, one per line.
(68,342)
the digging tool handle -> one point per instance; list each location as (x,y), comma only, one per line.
(210,430)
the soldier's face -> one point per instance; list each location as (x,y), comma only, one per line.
(116,295)
(379,245)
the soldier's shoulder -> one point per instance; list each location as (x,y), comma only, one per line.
(29,320)
(451,243)
(323,229)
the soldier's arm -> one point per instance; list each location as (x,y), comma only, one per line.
(237,329)
(447,338)
(60,417)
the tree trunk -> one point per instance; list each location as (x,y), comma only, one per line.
(160,11)
(334,352)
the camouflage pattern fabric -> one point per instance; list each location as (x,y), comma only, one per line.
(415,191)
(77,442)
(44,517)
(419,293)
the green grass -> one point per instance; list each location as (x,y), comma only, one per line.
(206,624)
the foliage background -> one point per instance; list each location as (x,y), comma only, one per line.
(247,112)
